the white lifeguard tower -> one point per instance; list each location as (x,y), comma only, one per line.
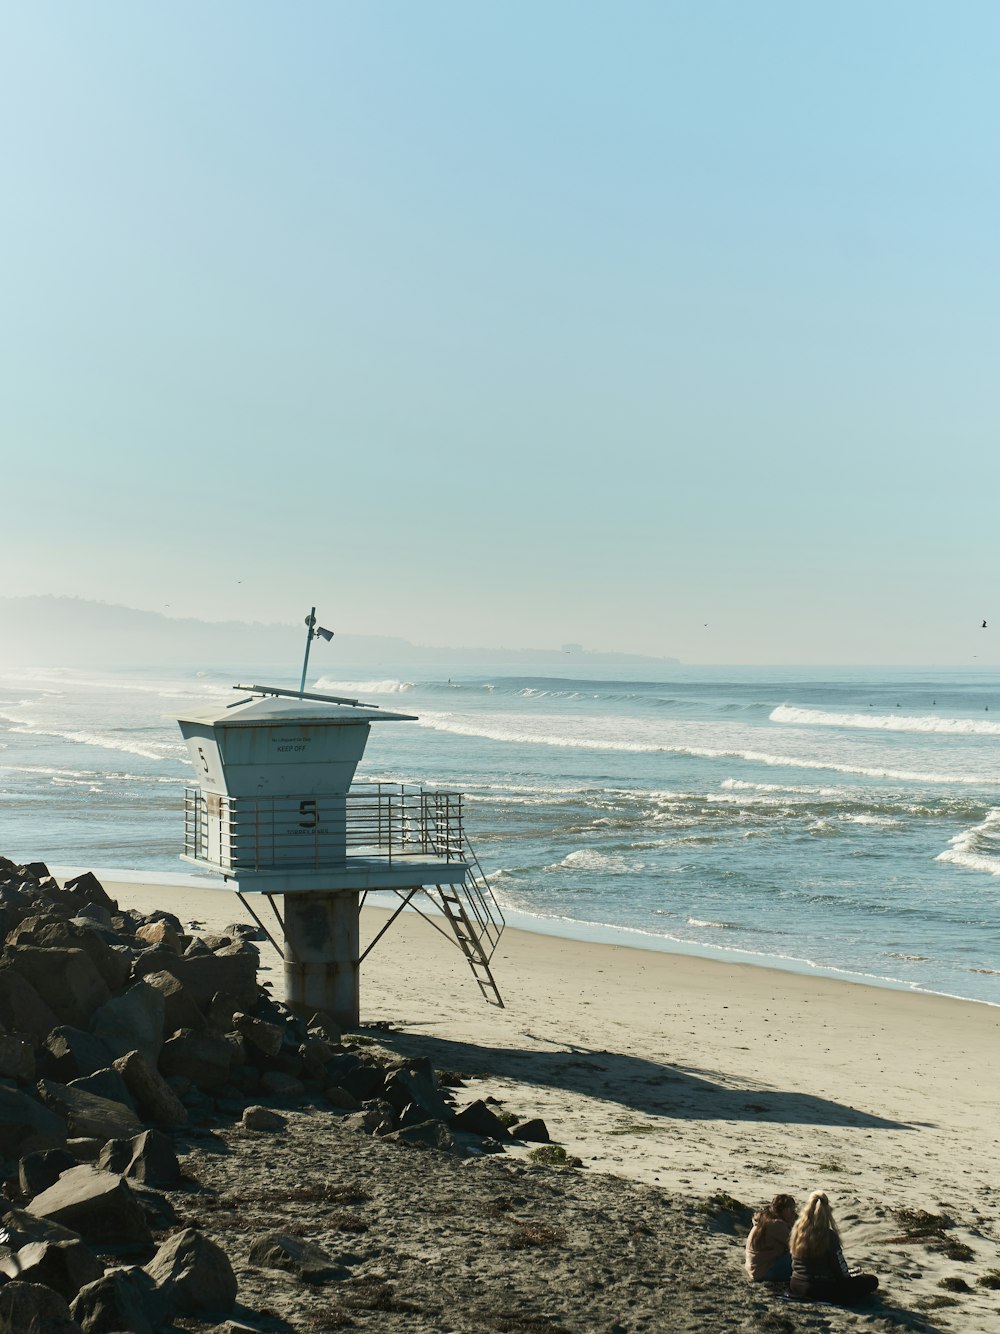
(277,813)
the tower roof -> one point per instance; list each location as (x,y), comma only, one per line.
(278,711)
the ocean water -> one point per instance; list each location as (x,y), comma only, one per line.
(840,820)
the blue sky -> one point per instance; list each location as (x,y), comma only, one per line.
(670,328)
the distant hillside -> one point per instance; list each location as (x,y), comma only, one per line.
(75,632)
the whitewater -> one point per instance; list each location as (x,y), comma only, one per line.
(845,821)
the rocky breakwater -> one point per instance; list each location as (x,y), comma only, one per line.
(122,1039)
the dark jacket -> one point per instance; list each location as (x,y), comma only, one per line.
(828,1266)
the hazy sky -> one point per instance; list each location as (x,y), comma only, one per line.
(663,327)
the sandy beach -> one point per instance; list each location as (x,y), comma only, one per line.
(701,1077)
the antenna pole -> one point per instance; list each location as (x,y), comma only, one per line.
(310,632)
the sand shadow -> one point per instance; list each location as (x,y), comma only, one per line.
(651,1087)
(878,1308)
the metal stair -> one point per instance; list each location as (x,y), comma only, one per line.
(476,922)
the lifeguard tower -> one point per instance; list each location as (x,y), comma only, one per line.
(277,813)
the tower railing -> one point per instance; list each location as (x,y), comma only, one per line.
(384,822)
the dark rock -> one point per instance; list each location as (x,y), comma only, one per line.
(17,1059)
(23,1227)
(22,1009)
(204,975)
(87,1114)
(84,1148)
(66,1266)
(180,1008)
(340,1065)
(416,1084)
(25,1125)
(149,1158)
(40,1170)
(72,1053)
(364,1121)
(276,1250)
(156,1099)
(31,1308)
(262,1118)
(534,1130)
(259,1035)
(364,1081)
(98,1205)
(161,933)
(201,1057)
(106,1084)
(194,1274)
(122,1299)
(432,1134)
(338,1097)
(95,915)
(326,1026)
(477,1119)
(157,1210)
(132,1022)
(86,888)
(244,931)
(113,965)
(67,978)
(281,1085)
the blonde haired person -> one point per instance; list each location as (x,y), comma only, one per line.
(819,1269)
(767,1258)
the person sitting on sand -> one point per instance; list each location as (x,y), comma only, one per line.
(767,1258)
(819,1269)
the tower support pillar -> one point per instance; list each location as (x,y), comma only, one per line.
(322,948)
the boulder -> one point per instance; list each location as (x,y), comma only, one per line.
(203,1058)
(39,1170)
(194,1274)
(22,1009)
(244,931)
(340,1098)
(307,1261)
(31,1308)
(132,1022)
(281,1085)
(154,1096)
(65,1266)
(149,1158)
(87,1114)
(263,1119)
(364,1081)
(66,977)
(259,1036)
(95,915)
(534,1130)
(180,1009)
(161,933)
(123,1299)
(25,1125)
(204,974)
(98,1205)
(113,965)
(477,1119)
(86,888)
(23,1227)
(72,1053)
(416,1084)
(431,1134)
(17,1058)
(325,1026)
(106,1084)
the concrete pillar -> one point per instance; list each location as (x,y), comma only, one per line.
(321,954)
